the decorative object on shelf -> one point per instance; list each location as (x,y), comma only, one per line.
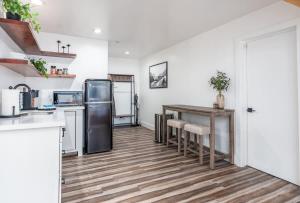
(39,64)
(58,45)
(65,71)
(68,45)
(63,47)
(220,83)
(16,10)
(53,70)
(59,72)
(158,76)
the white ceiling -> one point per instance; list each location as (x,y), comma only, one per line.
(141,26)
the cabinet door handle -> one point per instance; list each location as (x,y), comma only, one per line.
(250,110)
(63,132)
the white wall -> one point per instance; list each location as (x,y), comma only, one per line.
(125,66)
(91,61)
(194,61)
(7,77)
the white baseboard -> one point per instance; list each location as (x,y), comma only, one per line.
(148,125)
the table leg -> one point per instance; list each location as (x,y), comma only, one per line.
(231,138)
(164,130)
(212,140)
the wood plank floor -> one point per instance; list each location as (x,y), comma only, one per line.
(138,170)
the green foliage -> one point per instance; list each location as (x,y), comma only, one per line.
(221,82)
(40,66)
(24,10)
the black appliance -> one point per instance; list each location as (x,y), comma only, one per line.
(27,97)
(68,98)
(98,116)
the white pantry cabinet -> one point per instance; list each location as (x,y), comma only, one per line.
(73,136)
(69,138)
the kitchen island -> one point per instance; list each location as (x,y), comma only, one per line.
(30,157)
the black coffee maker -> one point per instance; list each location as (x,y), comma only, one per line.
(27,97)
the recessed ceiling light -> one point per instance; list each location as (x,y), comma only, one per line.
(97,31)
(37,2)
(127,53)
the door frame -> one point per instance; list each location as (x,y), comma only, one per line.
(241,86)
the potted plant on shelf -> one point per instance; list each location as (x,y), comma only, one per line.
(16,10)
(220,83)
(39,64)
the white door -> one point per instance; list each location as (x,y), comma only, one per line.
(272,93)
(69,139)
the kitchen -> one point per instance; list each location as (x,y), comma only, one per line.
(60,118)
(133,101)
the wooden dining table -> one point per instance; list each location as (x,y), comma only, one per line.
(212,113)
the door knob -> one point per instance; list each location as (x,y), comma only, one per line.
(250,110)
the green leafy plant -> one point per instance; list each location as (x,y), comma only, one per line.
(220,82)
(24,10)
(40,66)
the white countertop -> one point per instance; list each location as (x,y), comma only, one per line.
(71,108)
(33,120)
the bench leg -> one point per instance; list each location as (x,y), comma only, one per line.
(185,143)
(200,149)
(179,140)
(188,139)
(195,142)
(168,135)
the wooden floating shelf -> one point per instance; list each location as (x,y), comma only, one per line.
(22,34)
(58,55)
(62,76)
(295,2)
(25,68)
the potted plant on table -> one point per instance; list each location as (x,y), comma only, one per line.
(221,83)
(16,10)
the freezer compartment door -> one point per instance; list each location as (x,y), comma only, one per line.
(98,91)
(98,127)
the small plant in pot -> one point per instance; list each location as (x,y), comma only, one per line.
(39,64)
(16,10)
(221,83)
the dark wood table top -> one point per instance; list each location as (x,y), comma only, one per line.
(197,109)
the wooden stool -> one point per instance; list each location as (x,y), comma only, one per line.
(178,125)
(199,131)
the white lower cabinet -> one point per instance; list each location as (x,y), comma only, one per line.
(69,138)
(73,136)
(30,165)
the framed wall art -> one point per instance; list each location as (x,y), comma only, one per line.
(158,75)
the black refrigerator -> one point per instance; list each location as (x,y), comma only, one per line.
(98,116)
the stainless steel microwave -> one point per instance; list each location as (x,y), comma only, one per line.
(68,98)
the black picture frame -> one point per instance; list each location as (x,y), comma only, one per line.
(162,79)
